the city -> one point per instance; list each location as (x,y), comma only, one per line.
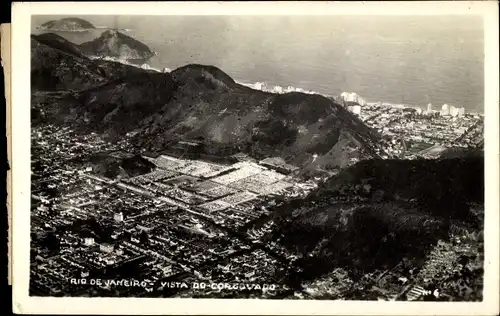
(185,219)
(412,132)
(191,228)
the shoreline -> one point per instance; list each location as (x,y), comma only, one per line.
(263,86)
(258,85)
(39,28)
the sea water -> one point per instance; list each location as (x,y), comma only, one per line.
(401,60)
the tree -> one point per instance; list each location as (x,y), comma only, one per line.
(144,238)
(51,242)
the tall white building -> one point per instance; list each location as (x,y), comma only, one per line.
(457,111)
(453,111)
(445,109)
(344,95)
(353,97)
(258,86)
(356,109)
(278,89)
(429,108)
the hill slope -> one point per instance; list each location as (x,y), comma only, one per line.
(347,222)
(442,187)
(112,43)
(198,102)
(227,117)
(57,64)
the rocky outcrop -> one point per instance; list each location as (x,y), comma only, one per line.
(114,44)
(68,25)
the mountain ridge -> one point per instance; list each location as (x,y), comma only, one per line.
(203,102)
(58,65)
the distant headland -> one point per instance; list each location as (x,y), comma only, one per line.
(68,25)
(114,44)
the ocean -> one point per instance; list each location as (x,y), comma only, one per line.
(411,60)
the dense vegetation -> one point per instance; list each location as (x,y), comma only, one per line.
(442,187)
(391,211)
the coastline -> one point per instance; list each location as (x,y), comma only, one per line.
(263,86)
(39,28)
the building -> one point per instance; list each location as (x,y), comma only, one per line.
(118,217)
(88,241)
(145,228)
(278,89)
(453,111)
(429,108)
(241,157)
(353,97)
(278,164)
(460,131)
(106,248)
(356,109)
(457,111)
(187,145)
(109,261)
(445,109)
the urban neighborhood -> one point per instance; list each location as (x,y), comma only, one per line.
(186,222)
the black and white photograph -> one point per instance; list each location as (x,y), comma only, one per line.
(334,157)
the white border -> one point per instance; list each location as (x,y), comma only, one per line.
(21,162)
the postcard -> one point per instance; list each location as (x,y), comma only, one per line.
(255,158)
